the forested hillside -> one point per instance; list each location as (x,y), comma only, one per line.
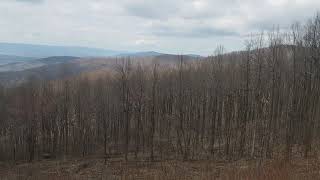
(259,103)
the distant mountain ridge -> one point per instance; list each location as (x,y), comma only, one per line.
(154,54)
(20,61)
(6,59)
(16,66)
(64,66)
(42,51)
(140,54)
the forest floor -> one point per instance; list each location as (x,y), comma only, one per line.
(117,168)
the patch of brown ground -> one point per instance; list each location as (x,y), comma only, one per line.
(116,168)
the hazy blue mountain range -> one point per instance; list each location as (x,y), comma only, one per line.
(41,51)
(32,51)
(18,62)
(6,59)
(140,54)
(21,65)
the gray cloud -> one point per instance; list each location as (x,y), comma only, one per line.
(172,26)
(31,1)
(151,9)
(195,32)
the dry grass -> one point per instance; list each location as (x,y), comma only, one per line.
(117,169)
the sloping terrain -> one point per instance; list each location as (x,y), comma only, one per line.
(63,66)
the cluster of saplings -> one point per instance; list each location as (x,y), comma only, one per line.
(257,103)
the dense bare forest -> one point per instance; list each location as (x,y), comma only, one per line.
(257,103)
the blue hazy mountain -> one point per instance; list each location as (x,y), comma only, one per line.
(41,51)
(140,54)
(6,59)
(21,63)
(32,51)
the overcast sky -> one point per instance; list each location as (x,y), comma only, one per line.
(171,26)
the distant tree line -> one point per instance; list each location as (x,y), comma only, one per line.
(256,103)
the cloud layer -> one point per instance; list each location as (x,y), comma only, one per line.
(179,26)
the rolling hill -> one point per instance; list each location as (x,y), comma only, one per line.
(18,62)
(57,67)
